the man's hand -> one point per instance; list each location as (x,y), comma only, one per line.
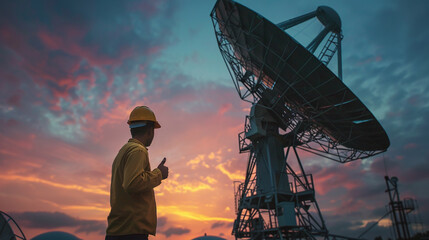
(164,169)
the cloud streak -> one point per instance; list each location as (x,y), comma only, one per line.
(54,184)
(190,214)
(176,231)
(53,220)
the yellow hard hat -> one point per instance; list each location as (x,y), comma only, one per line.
(143,113)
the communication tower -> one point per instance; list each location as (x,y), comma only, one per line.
(401,213)
(297,104)
(399,210)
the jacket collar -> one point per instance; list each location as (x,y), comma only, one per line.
(133,140)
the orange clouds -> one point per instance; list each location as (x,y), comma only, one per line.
(190,212)
(235,176)
(173,186)
(199,160)
(88,189)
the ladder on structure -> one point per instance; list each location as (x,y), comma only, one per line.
(329,49)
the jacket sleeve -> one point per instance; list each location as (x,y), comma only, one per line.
(136,178)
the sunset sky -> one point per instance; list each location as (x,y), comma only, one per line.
(72,71)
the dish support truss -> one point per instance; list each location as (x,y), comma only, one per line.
(277,199)
(332,25)
(254,86)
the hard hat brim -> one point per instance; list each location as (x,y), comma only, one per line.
(156,124)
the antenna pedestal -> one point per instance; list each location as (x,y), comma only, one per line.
(274,202)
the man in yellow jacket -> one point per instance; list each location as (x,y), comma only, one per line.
(132,199)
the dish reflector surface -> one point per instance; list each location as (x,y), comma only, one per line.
(307,98)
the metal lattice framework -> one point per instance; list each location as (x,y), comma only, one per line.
(257,217)
(398,210)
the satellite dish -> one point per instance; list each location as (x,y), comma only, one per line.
(309,101)
(292,90)
(9,229)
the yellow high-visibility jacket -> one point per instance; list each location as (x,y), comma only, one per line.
(132,199)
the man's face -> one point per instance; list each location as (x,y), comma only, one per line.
(150,136)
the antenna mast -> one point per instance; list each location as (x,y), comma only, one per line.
(397,210)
